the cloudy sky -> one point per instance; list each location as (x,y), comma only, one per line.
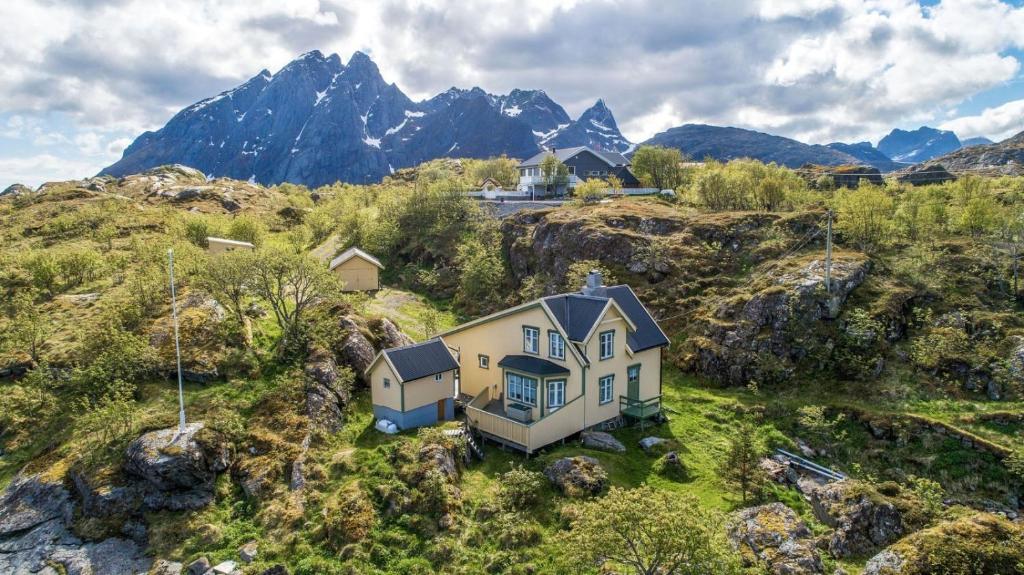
(79,79)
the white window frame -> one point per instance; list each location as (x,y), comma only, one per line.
(606,387)
(484,361)
(608,353)
(438,377)
(387,383)
(556,345)
(556,399)
(521,388)
(531,339)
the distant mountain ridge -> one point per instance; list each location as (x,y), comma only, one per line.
(868,154)
(700,141)
(317,121)
(918,145)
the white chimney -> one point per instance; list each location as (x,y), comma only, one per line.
(595,286)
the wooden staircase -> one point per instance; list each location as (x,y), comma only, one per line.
(464,430)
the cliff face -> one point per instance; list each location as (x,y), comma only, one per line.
(744,299)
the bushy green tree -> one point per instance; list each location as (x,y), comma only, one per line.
(519,488)
(554,173)
(247,228)
(28,328)
(865,217)
(658,167)
(646,531)
(741,467)
(290,283)
(481,273)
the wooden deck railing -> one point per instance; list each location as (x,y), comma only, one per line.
(639,408)
(496,425)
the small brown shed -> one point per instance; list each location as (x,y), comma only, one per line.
(358,270)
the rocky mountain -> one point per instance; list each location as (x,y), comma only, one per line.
(699,141)
(595,127)
(918,145)
(1006,157)
(317,121)
(978,141)
(867,154)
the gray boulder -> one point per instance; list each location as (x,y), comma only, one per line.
(177,471)
(577,476)
(888,562)
(648,443)
(863,521)
(773,536)
(249,551)
(29,501)
(388,334)
(199,566)
(435,456)
(601,441)
(276,570)
(354,349)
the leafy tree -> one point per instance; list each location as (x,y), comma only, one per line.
(865,216)
(481,272)
(823,431)
(290,283)
(658,167)
(196,230)
(29,328)
(646,531)
(78,266)
(519,488)
(554,172)
(503,170)
(230,279)
(320,224)
(43,270)
(741,467)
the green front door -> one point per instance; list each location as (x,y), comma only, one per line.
(633,382)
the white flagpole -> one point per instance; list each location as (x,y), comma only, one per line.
(177,346)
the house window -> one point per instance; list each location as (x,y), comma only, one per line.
(607,341)
(605,389)
(438,376)
(387,383)
(556,345)
(556,394)
(521,388)
(485,361)
(572,170)
(531,340)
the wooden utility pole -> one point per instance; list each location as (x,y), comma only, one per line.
(828,256)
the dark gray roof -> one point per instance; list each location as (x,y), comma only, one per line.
(531,364)
(576,313)
(421,359)
(647,334)
(563,154)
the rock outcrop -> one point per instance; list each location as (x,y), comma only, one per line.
(327,390)
(980,543)
(177,470)
(862,520)
(16,190)
(36,537)
(773,536)
(760,338)
(577,476)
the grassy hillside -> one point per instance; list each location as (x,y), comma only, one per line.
(890,382)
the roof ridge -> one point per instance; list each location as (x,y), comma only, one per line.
(414,344)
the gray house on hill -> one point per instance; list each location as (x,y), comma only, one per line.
(584,163)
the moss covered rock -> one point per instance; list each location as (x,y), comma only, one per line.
(773,536)
(980,544)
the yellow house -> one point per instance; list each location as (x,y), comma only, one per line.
(414,385)
(222,245)
(542,371)
(358,270)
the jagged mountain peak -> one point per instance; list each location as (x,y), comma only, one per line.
(319,120)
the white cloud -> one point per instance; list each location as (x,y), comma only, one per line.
(997,123)
(34,170)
